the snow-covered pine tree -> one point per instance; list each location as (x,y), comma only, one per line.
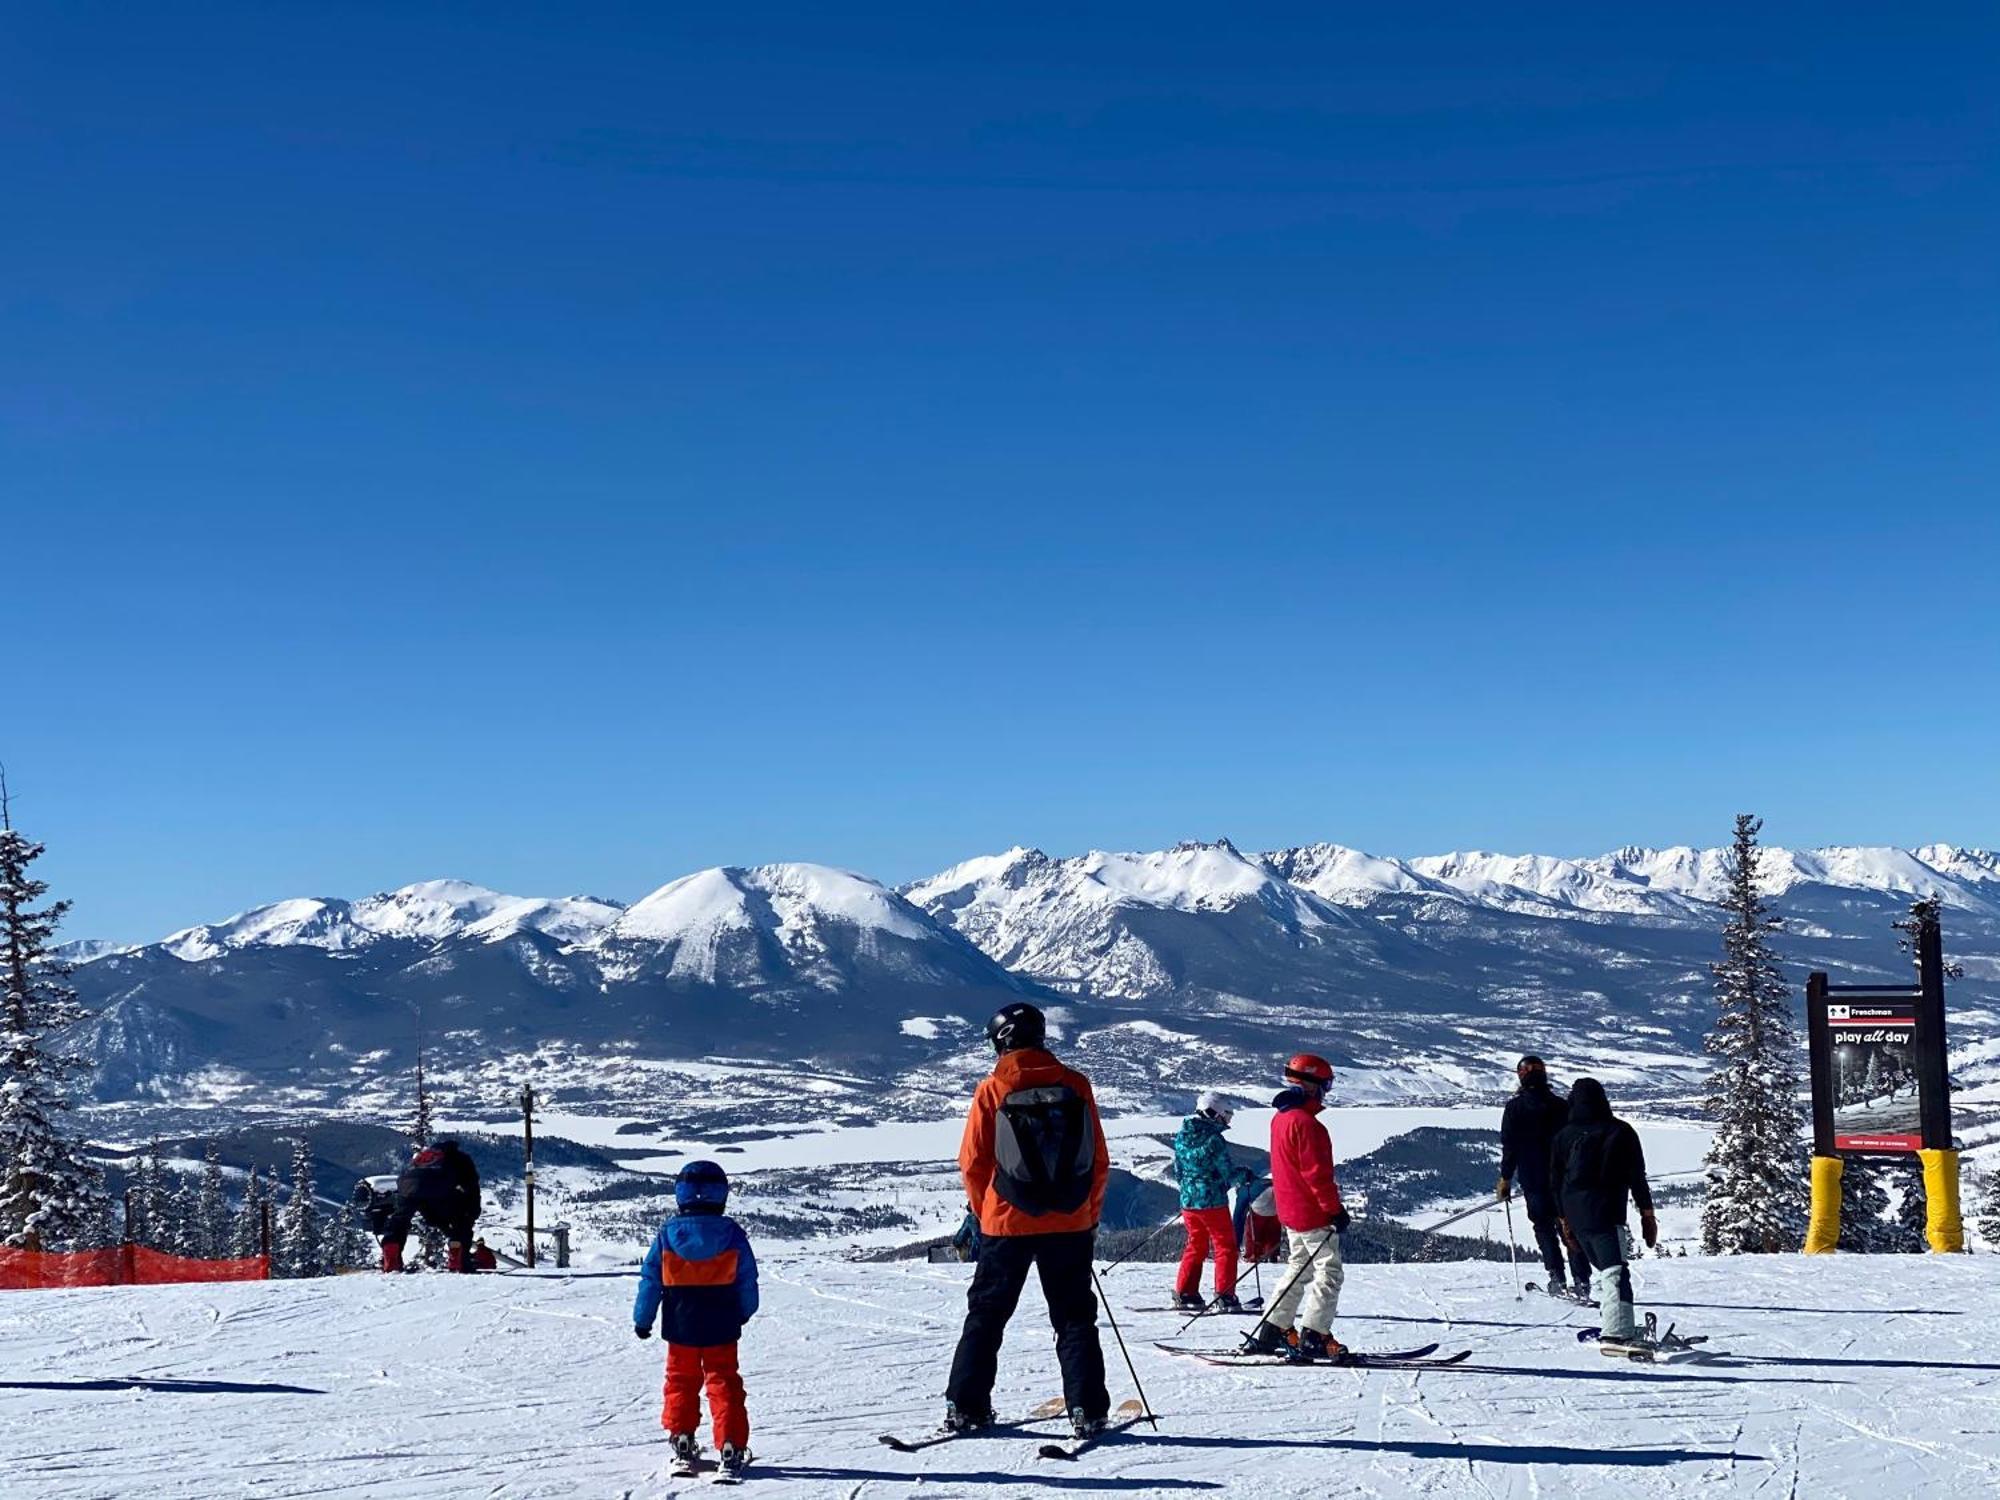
(154,1196)
(1864,1208)
(1906,1228)
(344,1245)
(185,1198)
(249,1236)
(48,1189)
(210,1233)
(298,1249)
(1756,1170)
(1989,1208)
(420,1117)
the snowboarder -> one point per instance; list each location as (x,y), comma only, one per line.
(1207,1172)
(442,1184)
(700,1281)
(1309,1206)
(1596,1165)
(1528,1127)
(1035,1166)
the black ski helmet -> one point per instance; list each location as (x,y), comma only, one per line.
(1016,1026)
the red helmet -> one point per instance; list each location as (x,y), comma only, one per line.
(1307,1068)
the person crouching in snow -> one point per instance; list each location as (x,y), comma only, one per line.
(1595,1165)
(700,1281)
(1309,1206)
(1207,1172)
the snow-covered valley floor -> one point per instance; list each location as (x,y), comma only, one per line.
(1840,1376)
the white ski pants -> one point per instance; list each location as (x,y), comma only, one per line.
(1311,1296)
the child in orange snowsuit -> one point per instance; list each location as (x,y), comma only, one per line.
(700,1281)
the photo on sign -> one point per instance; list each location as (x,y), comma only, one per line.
(1875,1093)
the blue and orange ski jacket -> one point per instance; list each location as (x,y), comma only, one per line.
(699,1280)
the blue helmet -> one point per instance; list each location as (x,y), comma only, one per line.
(701,1183)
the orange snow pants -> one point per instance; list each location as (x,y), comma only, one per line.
(690,1367)
(1208,1229)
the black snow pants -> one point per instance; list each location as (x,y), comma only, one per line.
(1544,1216)
(445,1210)
(1004,1261)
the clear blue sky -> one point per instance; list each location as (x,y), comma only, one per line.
(566,446)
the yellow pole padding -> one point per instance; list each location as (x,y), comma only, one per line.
(1941,1222)
(1823,1230)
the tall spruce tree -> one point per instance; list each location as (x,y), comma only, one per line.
(298,1232)
(1864,1208)
(48,1189)
(154,1198)
(1755,1168)
(210,1220)
(1906,1228)
(249,1238)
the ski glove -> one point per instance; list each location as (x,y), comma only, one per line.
(642,1330)
(1503,1190)
(1341,1219)
(1650,1228)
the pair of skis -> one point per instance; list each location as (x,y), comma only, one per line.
(1424,1356)
(1564,1294)
(1128,1415)
(1209,1310)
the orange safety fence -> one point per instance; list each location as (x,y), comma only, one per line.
(125,1265)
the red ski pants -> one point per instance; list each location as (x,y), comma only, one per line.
(1208,1229)
(690,1368)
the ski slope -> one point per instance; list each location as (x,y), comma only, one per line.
(1843,1376)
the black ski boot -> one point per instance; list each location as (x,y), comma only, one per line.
(956,1420)
(1315,1347)
(1083,1426)
(1188,1302)
(1226,1302)
(1266,1338)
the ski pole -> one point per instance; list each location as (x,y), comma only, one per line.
(1513,1250)
(1162,1229)
(1144,1405)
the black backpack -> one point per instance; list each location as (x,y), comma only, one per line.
(1044,1151)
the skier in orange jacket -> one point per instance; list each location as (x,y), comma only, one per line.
(1035,1165)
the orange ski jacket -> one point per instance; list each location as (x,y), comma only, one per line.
(1028,1068)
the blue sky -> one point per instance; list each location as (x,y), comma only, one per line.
(567,446)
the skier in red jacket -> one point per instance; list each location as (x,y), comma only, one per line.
(1309,1207)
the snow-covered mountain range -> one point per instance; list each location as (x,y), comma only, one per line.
(1162,964)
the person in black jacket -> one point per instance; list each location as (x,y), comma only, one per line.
(442,1184)
(1596,1170)
(1528,1128)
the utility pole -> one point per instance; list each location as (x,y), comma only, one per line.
(528,1160)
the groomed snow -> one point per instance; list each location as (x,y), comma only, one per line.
(1840,1376)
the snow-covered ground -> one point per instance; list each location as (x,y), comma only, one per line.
(1839,1376)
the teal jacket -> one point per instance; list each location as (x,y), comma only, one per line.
(1203,1164)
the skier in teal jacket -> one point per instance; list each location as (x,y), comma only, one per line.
(1207,1172)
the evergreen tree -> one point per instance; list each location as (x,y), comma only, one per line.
(346,1245)
(154,1198)
(250,1217)
(1756,1170)
(48,1189)
(420,1118)
(184,1204)
(1989,1208)
(1906,1229)
(1864,1208)
(210,1237)
(298,1248)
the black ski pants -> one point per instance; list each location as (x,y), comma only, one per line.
(448,1213)
(1543,1215)
(1064,1262)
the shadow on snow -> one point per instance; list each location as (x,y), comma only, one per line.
(165,1386)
